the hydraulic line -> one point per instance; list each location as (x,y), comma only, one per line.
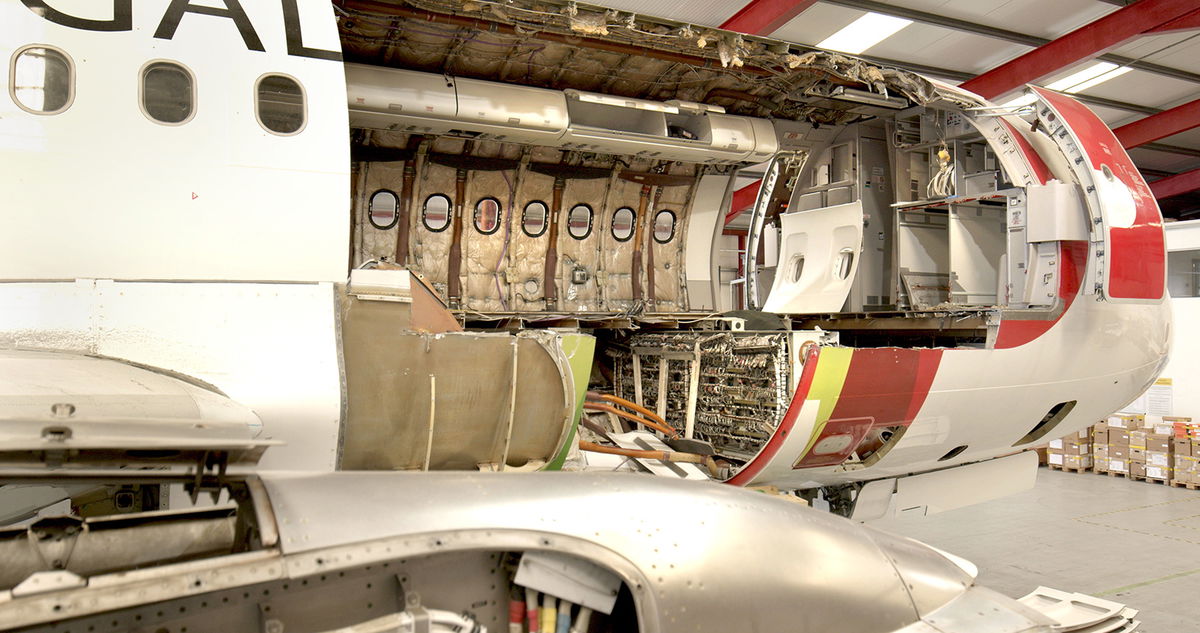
(595,406)
(627,404)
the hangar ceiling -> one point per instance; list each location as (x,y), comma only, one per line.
(1154,70)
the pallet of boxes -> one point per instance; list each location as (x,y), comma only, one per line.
(1071,453)
(1146,448)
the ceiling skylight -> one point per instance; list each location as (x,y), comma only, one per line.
(864,33)
(1097,73)
(1093,75)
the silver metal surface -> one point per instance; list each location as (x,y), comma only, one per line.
(695,555)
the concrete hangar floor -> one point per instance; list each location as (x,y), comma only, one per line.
(1110,537)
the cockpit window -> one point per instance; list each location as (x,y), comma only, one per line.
(279,102)
(42,80)
(168,93)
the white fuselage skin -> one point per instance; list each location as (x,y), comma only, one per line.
(211,247)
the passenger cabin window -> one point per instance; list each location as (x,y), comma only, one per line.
(797,268)
(383,209)
(487,216)
(41,80)
(435,215)
(579,221)
(845,261)
(168,93)
(664,226)
(533,219)
(622,224)
(280,104)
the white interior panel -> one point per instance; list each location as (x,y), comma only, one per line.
(977,244)
(813,275)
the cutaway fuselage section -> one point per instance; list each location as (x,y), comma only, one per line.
(926,280)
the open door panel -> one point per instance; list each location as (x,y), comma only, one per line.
(818,259)
(1128,256)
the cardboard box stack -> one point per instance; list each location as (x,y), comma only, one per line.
(1185,451)
(1119,453)
(1073,452)
(1149,447)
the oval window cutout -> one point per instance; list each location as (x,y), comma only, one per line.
(797,267)
(383,209)
(664,226)
(168,93)
(579,221)
(622,224)
(435,215)
(280,101)
(845,262)
(42,80)
(533,218)
(487,216)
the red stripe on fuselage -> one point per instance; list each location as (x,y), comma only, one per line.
(764,457)
(1136,255)
(1040,169)
(884,387)
(1072,257)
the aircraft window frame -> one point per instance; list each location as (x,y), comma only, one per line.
(475,215)
(258,104)
(654,227)
(545,218)
(425,212)
(796,266)
(12,79)
(612,229)
(193,101)
(843,265)
(395,209)
(591,221)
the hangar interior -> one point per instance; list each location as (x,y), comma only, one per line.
(896,260)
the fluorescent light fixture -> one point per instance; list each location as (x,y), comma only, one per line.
(1022,100)
(843,93)
(1093,75)
(863,33)
(1097,73)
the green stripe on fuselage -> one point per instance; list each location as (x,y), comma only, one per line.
(833,363)
(579,350)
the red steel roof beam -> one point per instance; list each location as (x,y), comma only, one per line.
(743,199)
(1086,42)
(1177,184)
(1159,126)
(764,17)
(1185,23)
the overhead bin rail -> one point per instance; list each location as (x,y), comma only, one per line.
(425,103)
